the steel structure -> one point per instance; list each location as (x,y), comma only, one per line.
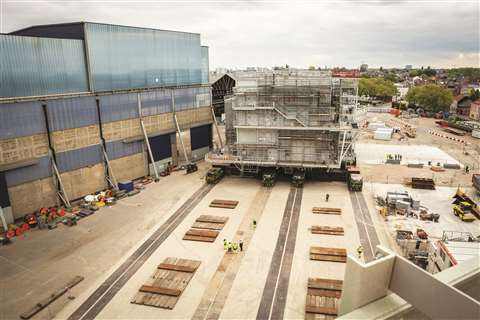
(289,119)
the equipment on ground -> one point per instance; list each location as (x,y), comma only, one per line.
(214,175)
(298,178)
(463,211)
(354,179)
(191,167)
(464,203)
(269,177)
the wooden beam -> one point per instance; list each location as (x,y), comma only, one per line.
(160,290)
(176,267)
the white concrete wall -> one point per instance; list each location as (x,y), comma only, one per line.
(365,283)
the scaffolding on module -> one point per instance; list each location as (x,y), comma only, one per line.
(290,119)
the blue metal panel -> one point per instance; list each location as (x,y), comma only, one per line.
(156,102)
(205,64)
(124,57)
(32,66)
(79,158)
(119,149)
(184,99)
(37,171)
(118,107)
(71,113)
(21,119)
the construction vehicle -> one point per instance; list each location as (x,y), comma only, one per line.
(269,177)
(191,167)
(463,211)
(214,175)
(298,178)
(464,201)
(354,179)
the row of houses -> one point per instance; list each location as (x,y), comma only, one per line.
(465,107)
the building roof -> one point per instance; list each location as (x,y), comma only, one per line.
(460,97)
(462,251)
(89,22)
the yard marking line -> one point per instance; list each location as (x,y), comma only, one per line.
(279,303)
(283,254)
(363,222)
(106,287)
(268,290)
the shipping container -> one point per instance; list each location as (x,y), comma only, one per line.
(476,133)
(33,66)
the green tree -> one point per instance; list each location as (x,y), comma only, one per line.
(391,77)
(376,87)
(430,97)
(471,74)
(474,94)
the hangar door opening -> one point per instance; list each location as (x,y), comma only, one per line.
(201,141)
(162,146)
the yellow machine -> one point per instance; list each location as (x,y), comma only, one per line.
(464,207)
(462,210)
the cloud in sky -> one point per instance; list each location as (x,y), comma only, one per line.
(389,33)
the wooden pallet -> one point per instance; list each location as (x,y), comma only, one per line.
(206,228)
(167,283)
(225,204)
(328,254)
(423,183)
(201,235)
(322,298)
(334,231)
(334,211)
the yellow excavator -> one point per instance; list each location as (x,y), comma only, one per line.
(464,207)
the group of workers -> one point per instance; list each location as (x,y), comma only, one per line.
(394,157)
(232,247)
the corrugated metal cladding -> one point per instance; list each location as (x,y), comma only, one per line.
(21,119)
(201,137)
(79,158)
(205,64)
(124,57)
(156,102)
(32,66)
(119,149)
(71,113)
(190,98)
(37,171)
(118,107)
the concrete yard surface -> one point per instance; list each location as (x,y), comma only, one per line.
(232,283)
(375,153)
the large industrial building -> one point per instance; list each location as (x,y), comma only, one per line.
(290,119)
(77,101)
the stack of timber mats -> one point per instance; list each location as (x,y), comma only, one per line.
(206,228)
(167,283)
(323,295)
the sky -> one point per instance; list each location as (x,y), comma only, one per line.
(303,33)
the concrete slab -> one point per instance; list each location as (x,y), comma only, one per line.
(247,289)
(209,253)
(373,153)
(304,268)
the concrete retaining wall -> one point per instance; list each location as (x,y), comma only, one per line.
(29,197)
